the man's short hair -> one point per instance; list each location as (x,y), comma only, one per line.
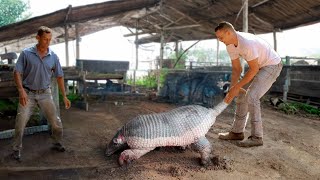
(43,29)
(224,25)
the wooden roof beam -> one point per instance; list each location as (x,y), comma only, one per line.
(259,3)
(139,33)
(182,14)
(166,17)
(261,20)
(175,22)
(182,27)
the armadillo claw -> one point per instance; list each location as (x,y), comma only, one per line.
(124,160)
(205,162)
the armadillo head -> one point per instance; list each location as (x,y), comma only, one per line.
(118,142)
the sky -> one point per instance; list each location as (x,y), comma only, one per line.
(110,44)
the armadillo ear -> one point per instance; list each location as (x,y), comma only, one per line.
(121,137)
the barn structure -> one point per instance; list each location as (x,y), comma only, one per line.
(166,21)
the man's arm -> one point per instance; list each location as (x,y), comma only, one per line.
(236,71)
(234,90)
(23,97)
(66,101)
(253,70)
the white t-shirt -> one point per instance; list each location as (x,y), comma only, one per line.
(251,47)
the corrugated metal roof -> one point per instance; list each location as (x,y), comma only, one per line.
(177,19)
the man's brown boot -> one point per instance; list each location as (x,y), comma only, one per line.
(231,136)
(251,141)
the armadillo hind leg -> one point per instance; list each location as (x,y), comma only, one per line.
(203,146)
(127,156)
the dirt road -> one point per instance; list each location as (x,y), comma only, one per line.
(291,149)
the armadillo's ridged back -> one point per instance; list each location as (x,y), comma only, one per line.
(179,126)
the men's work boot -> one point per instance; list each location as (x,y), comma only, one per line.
(16,154)
(231,136)
(251,141)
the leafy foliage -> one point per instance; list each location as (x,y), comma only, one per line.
(12,11)
(200,55)
(182,60)
(293,108)
(8,105)
(71,96)
(150,81)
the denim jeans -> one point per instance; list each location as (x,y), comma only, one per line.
(45,102)
(248,105)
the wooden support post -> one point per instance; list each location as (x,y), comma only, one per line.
(275,40)
(77,41)
(85,93)
(160,61)
(66,85)
(218,52)
(74,87)
(245,16)
(66,38)
(245,27)
(137,59)
(287,80)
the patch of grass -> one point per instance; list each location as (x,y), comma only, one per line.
(295,107)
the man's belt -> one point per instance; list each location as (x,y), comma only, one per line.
(39,91)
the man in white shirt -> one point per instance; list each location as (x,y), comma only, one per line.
(264,68)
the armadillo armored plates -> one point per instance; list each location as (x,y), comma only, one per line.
(182,126)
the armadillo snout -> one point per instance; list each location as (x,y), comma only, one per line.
(110,149)
(114,147)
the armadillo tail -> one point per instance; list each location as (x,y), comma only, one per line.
(217,110)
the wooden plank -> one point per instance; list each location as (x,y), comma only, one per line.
(305,88)
(7,84)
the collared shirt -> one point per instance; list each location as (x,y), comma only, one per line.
(37,73)
(251,47)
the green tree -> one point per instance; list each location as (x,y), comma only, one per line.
(208,55)
(12,11)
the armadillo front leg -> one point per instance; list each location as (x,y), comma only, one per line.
(132,154)
(203,146)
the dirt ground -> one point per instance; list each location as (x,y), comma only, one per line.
(291,149)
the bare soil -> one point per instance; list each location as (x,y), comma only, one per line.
(291,149)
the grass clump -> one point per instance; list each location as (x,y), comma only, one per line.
(296,107)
